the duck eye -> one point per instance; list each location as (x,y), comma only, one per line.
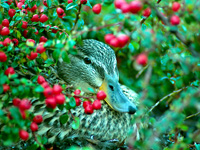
(87,60)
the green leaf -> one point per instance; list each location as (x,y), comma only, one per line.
(88,4)
(49,3)
(65,57)
(63,118)
(39,89)
(56,54)
(71,6)
(1,113)
(76,123)
(5,5)
(3,79)
(18,18)
(15,113)
(72,102)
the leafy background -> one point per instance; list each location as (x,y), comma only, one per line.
(168,86)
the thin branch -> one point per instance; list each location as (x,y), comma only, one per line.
(167,96)
(35,138)
(141,71)
(193,115)
(77,16)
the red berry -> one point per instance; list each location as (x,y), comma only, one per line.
(33,8)
(10,71)
(15,41)
(40,48)
(96,8)
(108,38)
(40,79)
(78,101)
(35,18)
(70,1)
(19,5)
(175,20)
(101,95)
(43,18)
(83,1)
(5,23)
(43,39)
(119,3)
(146,12)
(38,119)
(86,103)
(30,40)
(11,12)
(45,84)
(24,24)
(24,11)
(142,59)
(9,2)
(1,28)
(89,109)
(34,127)
(32,56)
(16,102)
(6,42)
(57,89)
(5,31)
(60,11)
(3,57)
(60,99)
(114,42)
(45,3)
(6,87)
(77,92)
(176,6)
(25,104)
(61,16)
(55,30)
(135,6)
(25,33)
(123,40)
(125,8)
(23,135)
(51,102)
(23,114)
(96,104)
(48,92)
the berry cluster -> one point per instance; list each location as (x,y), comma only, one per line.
(132,7)
(114,41)
(175,20)
(55,97)
(88,105)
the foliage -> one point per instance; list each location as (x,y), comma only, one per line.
(168,86)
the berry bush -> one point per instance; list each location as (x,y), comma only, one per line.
(157,44)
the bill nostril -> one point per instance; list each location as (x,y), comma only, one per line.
(132,110)
(111,87)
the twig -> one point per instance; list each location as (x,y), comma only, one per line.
(77,16)
(167,96)
(141,71)
(86,97)
(158,1)
(35,138)
(193,115)
(73,117)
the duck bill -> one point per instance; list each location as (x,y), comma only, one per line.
(116,99)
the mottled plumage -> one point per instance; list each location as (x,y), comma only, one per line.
(104,125)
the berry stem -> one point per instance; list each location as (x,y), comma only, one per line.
(35,138)
(77,16)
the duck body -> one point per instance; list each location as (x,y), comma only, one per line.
(89,69)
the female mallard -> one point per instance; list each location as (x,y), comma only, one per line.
(94,66)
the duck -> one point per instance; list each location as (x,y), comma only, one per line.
(94,66)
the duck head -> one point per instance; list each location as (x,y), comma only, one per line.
(95,66)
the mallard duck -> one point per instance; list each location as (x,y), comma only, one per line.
(94,66)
